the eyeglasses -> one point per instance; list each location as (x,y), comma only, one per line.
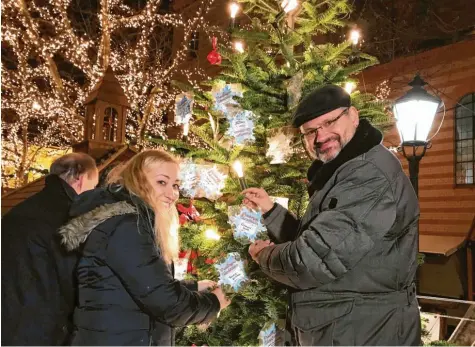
(308,137)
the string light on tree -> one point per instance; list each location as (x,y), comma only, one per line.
(233,9)
(36,106)
(239,46)
(355,36)
(350,87)
(212,234)
(237,166)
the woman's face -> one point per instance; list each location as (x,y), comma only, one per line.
(163,178)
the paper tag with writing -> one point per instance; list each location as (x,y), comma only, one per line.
(231,271)
(180,266)
(183,108)
(224,97)
(271,335)
(246,223)
(241,127)
(212,181)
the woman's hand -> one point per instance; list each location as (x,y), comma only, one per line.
(206,285)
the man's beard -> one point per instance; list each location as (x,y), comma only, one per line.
(331,153)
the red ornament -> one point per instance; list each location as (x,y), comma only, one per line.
(189,213)
(214,57)
(210,261)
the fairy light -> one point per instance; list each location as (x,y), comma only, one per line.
(233,9)
(349,87)
(239,46)
(355,36)
(237,166)
(60,109)
(212,234)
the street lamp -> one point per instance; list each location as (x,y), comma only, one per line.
(415,112)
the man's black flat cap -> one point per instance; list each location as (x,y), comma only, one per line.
(319,102)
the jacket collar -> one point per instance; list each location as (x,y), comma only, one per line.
(56,183)
(365,138)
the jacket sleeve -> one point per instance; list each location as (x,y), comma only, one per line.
(132,255)
(281,224)
(339,237)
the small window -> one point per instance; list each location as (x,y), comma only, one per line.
(193,45)
(109,126)
(465,140)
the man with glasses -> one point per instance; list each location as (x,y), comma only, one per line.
(350,262)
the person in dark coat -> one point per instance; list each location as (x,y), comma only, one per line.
(351,260)
(38,292)
(127,236)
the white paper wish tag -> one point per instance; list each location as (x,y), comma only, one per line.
(231,271)
(212,181)
(241,128)
(202,180)
(246,223)
(223,96)
(180,266)
(183,108)
(271,335)
(189,178)
(280,144)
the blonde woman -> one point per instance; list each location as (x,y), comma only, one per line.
(127,236)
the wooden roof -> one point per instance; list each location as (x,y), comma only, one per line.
(108,89)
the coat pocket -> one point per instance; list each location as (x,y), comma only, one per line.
(323,322)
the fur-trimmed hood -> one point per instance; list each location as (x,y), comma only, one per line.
(78,229)
(91,209)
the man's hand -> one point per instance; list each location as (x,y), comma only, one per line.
(258,246)
(257,198)
(206,285)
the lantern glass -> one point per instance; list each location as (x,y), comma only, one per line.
(414,119)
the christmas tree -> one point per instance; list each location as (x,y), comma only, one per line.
(243,115)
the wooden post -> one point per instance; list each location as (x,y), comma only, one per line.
(470,290)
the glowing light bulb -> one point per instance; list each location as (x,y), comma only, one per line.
(234,9)
(355,36)
(237,166)
(349,87)
(238,46)
(289,5)
(212,234)
(36,106)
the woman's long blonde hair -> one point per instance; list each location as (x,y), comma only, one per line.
(132,177)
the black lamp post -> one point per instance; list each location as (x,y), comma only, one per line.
(415,112)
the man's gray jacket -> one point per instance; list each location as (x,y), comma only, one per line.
(352,258)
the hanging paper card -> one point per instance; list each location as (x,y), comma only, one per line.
(271,335)
(202,180)
(280,147)
(246,223)
(189,178)
(181,267)
(183,108)
(241,127)
(284,202)
(224,96)
(211,182)
(231,271)
(294,89)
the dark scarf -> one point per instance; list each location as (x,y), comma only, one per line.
(365,138)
